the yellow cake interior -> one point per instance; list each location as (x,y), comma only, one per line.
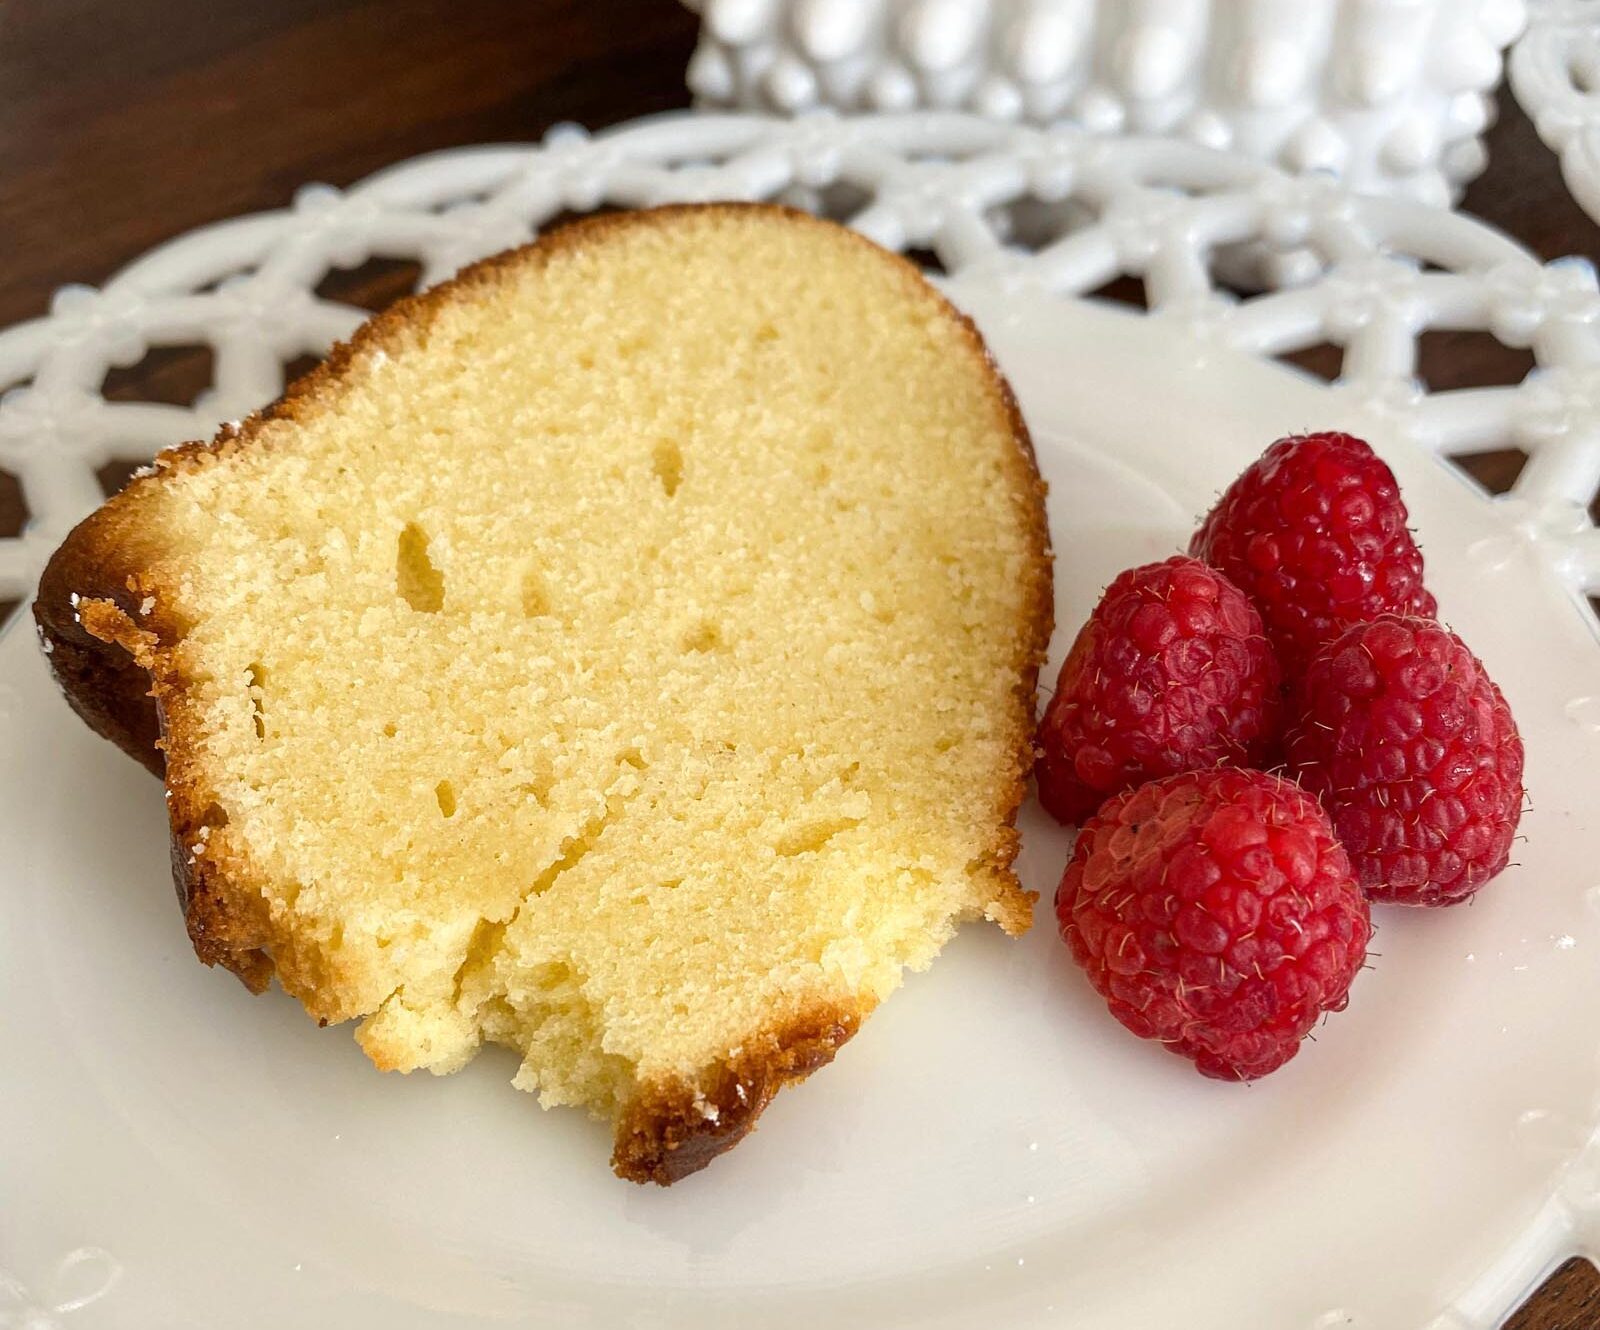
(622,658)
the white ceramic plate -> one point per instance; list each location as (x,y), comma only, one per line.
(992,1150)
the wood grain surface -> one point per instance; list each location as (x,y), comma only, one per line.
(125,122)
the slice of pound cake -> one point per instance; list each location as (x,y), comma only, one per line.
(624,652)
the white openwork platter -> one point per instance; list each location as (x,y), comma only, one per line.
(992,1149)
(1555,73)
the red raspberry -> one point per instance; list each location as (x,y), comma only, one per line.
(1315,533)
(1171,673)
(1415,755)
(1215,911)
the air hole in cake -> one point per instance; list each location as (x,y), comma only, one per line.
(705,637)
(256,683)
(537,779)
(810,837)
(215,815)
(535,598)
(419,583)
(445,793)
(390,730)
(879,611)
(574,848)
(486,935)
(667,462)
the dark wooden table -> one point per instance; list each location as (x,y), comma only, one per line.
(124,122)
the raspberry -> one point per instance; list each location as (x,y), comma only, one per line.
(1172,672)
(1415,755)
(1215,911)
(1315,533)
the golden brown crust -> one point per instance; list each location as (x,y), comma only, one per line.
(671,1131)
(103,683)
(225,926)
(117,667)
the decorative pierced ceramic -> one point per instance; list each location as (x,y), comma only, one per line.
(1390,95)
(1555,73)
(993,1149)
